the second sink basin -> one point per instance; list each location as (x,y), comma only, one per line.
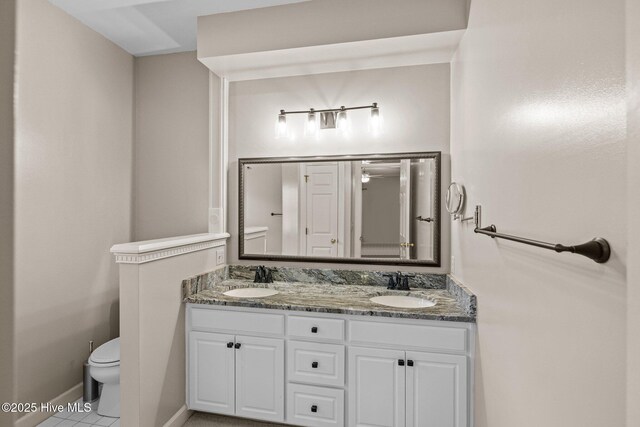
(250,292)
(402,301)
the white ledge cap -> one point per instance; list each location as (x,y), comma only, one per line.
(253,230)
(166,243)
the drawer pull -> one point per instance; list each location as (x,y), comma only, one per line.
(230,345)
(238,345)
(314,408)
(314,365)
(400,362)
(314,330)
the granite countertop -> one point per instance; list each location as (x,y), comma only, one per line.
(336,298)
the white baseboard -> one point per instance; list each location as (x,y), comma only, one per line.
(179,418)
(34,418)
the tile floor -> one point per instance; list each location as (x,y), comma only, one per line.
(80,419)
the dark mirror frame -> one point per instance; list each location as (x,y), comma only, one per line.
(435,262)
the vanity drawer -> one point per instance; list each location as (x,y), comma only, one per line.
(315,406)
(313,327)
(408,335)
(316,363)
(204,319)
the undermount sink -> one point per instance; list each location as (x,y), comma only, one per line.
(250,293)
(402,301)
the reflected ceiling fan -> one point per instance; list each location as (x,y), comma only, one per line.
(366,177)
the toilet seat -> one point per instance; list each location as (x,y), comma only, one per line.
(107,355)
(104,365)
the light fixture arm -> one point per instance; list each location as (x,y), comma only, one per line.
(311,110)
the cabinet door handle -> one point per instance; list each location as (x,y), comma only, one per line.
(230,345)
(314,365)
(238,345)
(401,362)
(409,362)
(314,329)
(314,408)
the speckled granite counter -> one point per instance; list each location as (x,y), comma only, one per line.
(453,301)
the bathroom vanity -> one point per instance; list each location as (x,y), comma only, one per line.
(324,354)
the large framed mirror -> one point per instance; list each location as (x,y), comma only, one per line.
(365,209)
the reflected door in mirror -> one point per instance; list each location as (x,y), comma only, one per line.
(321,213)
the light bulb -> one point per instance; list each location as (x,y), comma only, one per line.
(375,123)
(342,123)
(365,177)
(281,125)
(312,124)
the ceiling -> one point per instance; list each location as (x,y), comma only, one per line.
(150,27)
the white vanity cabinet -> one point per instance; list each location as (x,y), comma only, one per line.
(316,369)
(409,374)
(211,372)
(260,378)
(437,389)
(235,374)
(413,389)
(377,386)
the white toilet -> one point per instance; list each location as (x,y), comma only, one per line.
(105,368)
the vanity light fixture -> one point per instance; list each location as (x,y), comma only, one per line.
(331,118)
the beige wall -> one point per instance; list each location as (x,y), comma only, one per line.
(264,196)
(74,129)
(633,168)
(538,138)
(380,224)
(171,146)
(325,22)
(153,342)
(7,62)
(414,102)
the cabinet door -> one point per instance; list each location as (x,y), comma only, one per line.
(211,368)
(436,390)
(376,387)
(260,378)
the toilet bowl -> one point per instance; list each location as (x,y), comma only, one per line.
(104,365)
